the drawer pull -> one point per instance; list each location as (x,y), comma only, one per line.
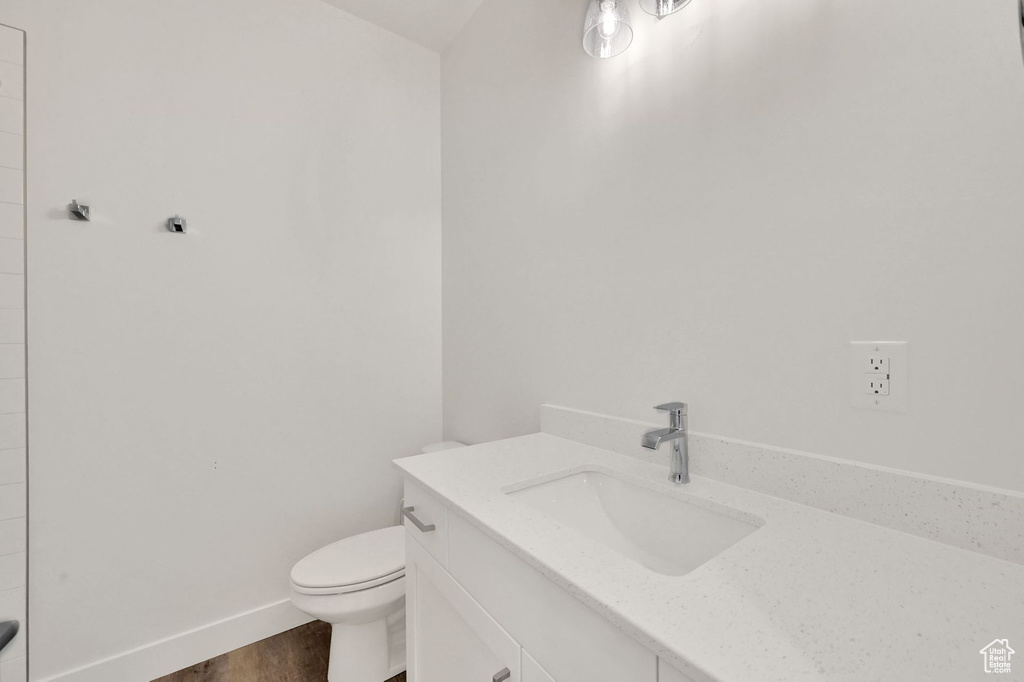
(407,512)
(502,675)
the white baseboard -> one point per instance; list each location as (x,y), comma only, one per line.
(188,648)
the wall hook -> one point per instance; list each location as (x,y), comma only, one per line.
(177,224)
(78,211)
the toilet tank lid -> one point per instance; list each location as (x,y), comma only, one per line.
(357,559)
(446,445)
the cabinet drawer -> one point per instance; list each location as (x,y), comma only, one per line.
(429,511)
(562,634)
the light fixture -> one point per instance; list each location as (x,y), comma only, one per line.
(662,8)
(607,32)
(1020,17)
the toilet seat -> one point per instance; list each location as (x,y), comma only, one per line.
(345,589)
(356,563)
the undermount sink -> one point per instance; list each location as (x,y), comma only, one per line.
(663,533)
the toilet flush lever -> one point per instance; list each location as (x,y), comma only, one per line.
(407,512)
(502,675)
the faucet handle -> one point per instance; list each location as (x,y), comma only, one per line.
(675,409)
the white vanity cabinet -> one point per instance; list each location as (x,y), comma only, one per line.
(478,613)
(449,637)
(426,518)
(532,672)
(667,673)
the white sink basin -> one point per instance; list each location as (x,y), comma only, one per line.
(665,534)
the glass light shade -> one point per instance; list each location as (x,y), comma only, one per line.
(662,8)
(606,31)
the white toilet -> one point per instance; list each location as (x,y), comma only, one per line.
(358,586)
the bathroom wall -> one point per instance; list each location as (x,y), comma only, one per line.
(12,349)
(715,214)
(208,408)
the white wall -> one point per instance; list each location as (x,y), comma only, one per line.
(206,409)
(13,491)
(715,214)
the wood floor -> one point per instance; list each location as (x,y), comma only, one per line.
(299,655)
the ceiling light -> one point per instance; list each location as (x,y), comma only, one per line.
(662,8)
(607,32)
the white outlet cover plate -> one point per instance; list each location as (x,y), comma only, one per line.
(860,353)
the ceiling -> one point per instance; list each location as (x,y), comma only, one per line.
(431,23)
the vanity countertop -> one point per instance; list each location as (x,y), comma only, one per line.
(808,596)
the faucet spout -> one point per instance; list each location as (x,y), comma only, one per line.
(652,440)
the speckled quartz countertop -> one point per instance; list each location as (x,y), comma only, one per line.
(808,596)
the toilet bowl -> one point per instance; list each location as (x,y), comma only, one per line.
(358,586)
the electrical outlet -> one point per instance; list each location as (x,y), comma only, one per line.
(877,364)
(876,384)
(879,375)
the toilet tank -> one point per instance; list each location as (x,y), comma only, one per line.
(446,445)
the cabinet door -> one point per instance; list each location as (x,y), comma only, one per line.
(532,672)
(450,637)
(566,637)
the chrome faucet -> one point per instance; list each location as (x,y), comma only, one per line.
(676,433)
